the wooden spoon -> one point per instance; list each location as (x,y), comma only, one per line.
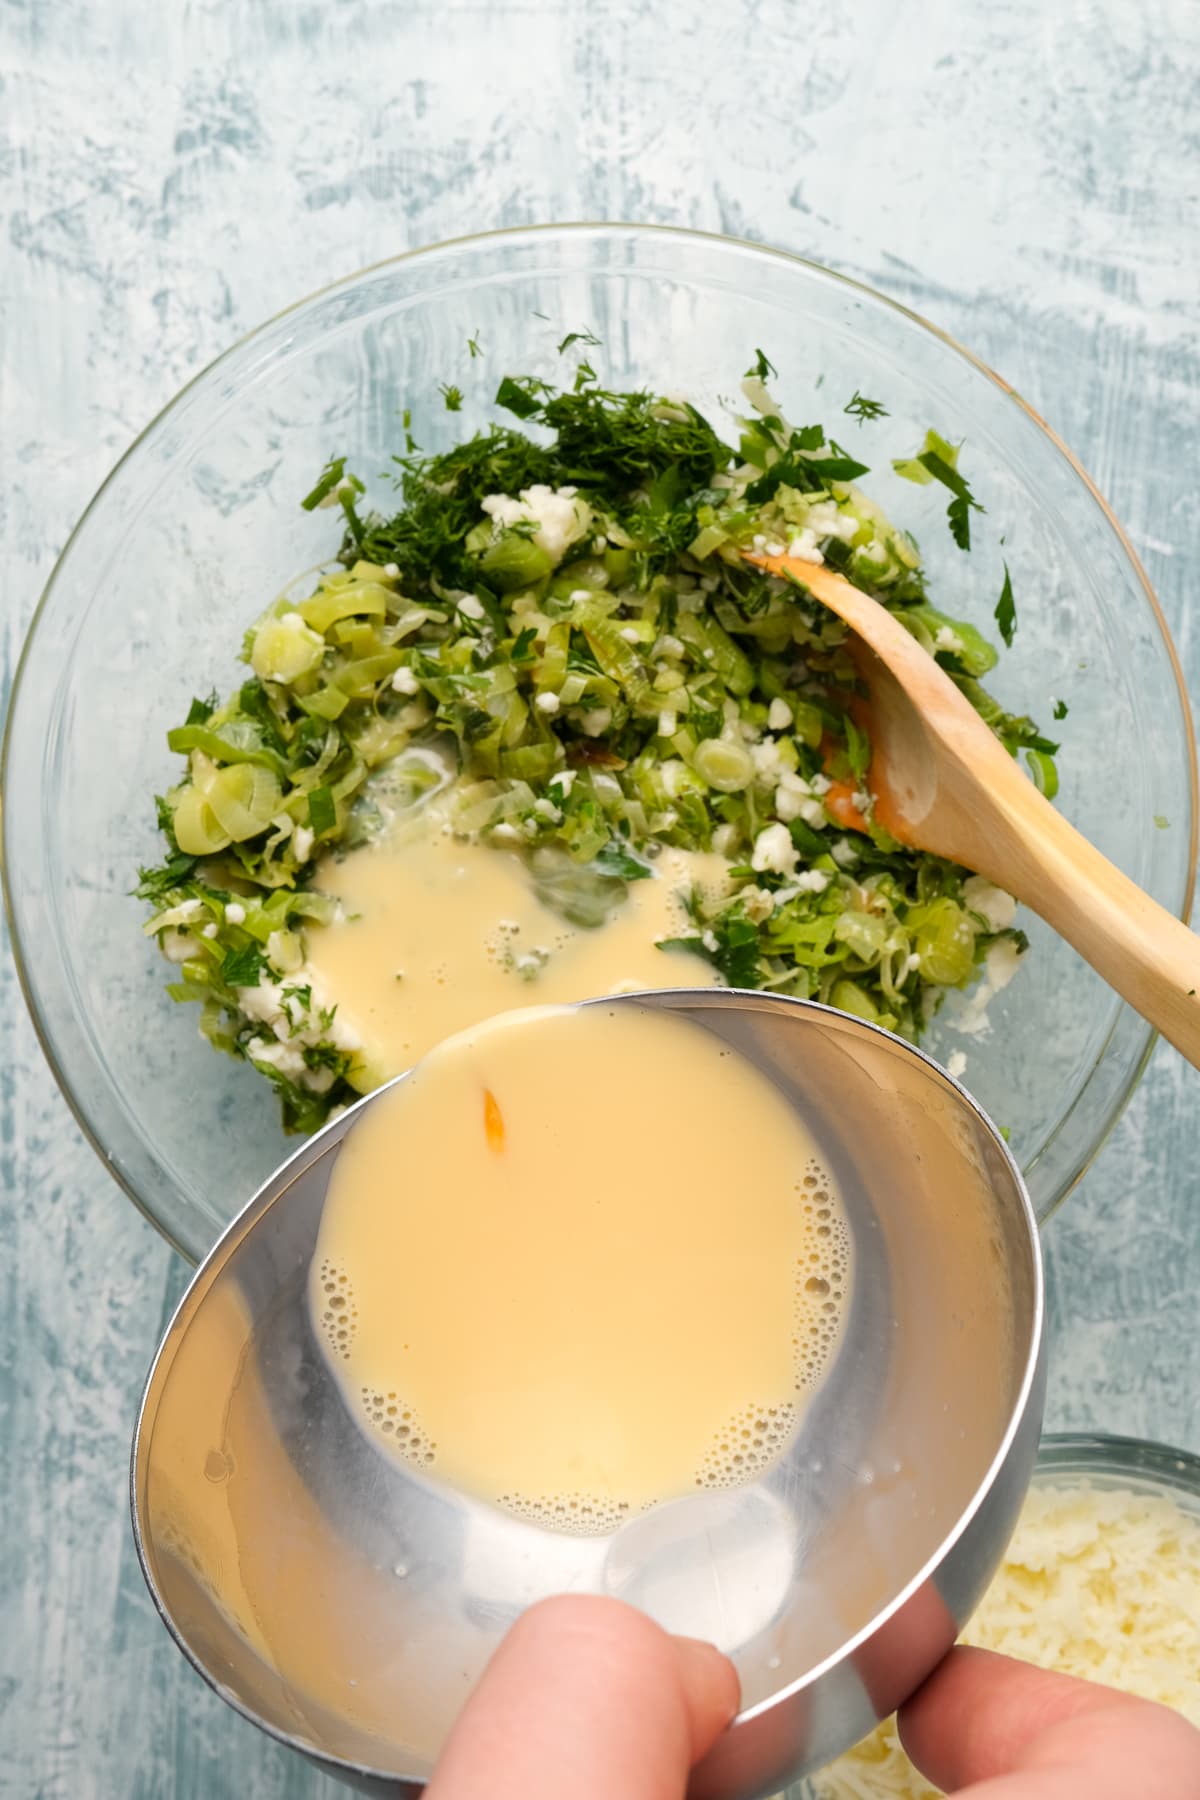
(944,782)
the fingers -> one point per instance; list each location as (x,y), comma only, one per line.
(590,1698)
(710,1692)
(1026,1734)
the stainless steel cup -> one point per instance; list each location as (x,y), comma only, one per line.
(346,1604)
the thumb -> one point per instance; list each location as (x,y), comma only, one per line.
(588,1697)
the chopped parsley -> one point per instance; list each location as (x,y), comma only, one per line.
(938,461)
(732,944)
(1006,613)
(862,409)
(242,968)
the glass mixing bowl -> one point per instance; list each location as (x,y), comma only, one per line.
(1099,1460)
(1074,1460)
(199,526)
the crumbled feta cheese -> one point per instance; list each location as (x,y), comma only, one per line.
(405,682)
(561,516)
(235,913)
(769,765)
(803,547)
(667,723)
(956,1065)
(547,702)
(779,715)
(279,1005)
(546,809)
(946,639)
(630,634)
(505,834)
(302,843)
(176,946)
(288,1059)
(668,645)
(293,621)
(597,721)
(599,543)
(725,839)
(820,784)
(791,794)
(471,607)
(999,967)
(793,801)
(864,801)
(990,902)
(774,548)
(912,962)
(580,594)
(759,541)
(826,520)
(392,571)
(564,781)
(774,851)
(812,881)
(209,931)
(708,938)
(1000,963)
(757,904)
(843,853)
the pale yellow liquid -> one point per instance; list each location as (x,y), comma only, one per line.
(438,933)
(579,1262)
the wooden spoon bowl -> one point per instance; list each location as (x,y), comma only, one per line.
(944,782)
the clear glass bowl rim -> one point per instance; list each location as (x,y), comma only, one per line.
(1075,1456)
(544,234)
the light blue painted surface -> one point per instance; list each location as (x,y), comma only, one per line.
(1023,174)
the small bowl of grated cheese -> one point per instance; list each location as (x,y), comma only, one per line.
(1101,1580)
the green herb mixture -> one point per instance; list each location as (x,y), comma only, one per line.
(563,603)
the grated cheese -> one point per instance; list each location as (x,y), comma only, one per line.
(1099,1583)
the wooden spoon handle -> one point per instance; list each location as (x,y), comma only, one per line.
(981,810)
(1142,950)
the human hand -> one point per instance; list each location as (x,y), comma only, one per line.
(988,1727)
(587,1697)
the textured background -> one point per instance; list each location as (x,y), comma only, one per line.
(1024,173)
